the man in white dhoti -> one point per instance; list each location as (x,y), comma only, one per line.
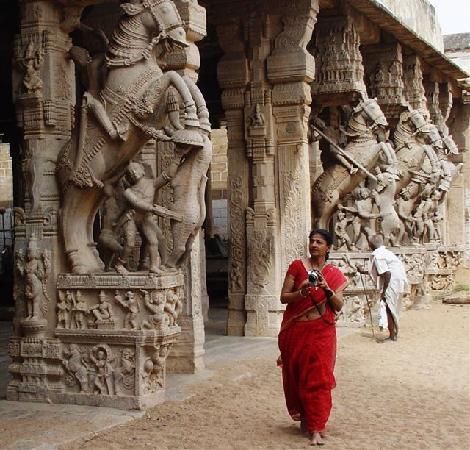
(389,274)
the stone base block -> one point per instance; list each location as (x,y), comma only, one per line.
(111,341)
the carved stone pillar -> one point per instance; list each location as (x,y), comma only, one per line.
(43,93)
(187,354)
(233,78)
(458,198)
(267,126)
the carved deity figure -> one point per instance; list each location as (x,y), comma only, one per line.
(32,82)
(155,306)
(34,267)
(124,374)
(131,304)
(154,369)
(101,356)
(103,310)
(79,312)
(173,307)
(74,363)
(63,308)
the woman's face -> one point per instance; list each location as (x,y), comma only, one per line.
(317,246)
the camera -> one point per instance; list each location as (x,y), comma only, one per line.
(313,277)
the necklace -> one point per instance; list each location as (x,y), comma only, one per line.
(311,266)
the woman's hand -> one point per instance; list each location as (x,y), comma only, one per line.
(305,290)
(323,284)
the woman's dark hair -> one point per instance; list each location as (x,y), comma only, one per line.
(326,235)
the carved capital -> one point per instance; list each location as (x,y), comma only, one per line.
(290,61)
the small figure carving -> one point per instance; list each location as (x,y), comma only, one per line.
(79,312)
(75,365)
(405,206)
(343,241)
(34,268)
(156,307)
(132,307)
(257,118)
(63,308)
(32,82)
(154,369)
(363,216)
(102,357)
(173,307)
(103,310)
(124,374)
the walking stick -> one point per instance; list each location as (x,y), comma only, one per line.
(368,306)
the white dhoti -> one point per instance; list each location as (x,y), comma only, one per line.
(382,261)
(393,296)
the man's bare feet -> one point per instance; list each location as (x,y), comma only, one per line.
(316,439)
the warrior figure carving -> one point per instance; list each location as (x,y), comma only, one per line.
(366,126)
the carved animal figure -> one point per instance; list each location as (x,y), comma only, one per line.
(412,139)
(135,104)
(390,224)
(362,152)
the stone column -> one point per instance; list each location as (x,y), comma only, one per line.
(268,156)
(187,355)
(44,95)
(458,200)
(233,78)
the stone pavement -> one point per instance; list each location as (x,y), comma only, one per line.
(26,425)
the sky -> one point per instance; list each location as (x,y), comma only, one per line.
(453,15)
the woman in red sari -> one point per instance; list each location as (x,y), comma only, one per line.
(307,339)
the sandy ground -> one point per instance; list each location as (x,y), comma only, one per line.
(409,394)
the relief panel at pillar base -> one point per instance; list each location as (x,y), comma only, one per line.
(441,268)
(112,334)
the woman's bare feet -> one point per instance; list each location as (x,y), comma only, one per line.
(316,439)
(303,425)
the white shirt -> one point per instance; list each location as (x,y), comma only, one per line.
(383,260)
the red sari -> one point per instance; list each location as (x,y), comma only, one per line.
(308,350)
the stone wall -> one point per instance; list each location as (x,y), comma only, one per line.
(6,180)
(420,16)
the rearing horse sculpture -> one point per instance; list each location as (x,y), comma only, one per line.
(136,103)
(362,150)
(412,138)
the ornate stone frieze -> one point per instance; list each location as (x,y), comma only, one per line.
(384,75)
(339,66)
(413,89)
